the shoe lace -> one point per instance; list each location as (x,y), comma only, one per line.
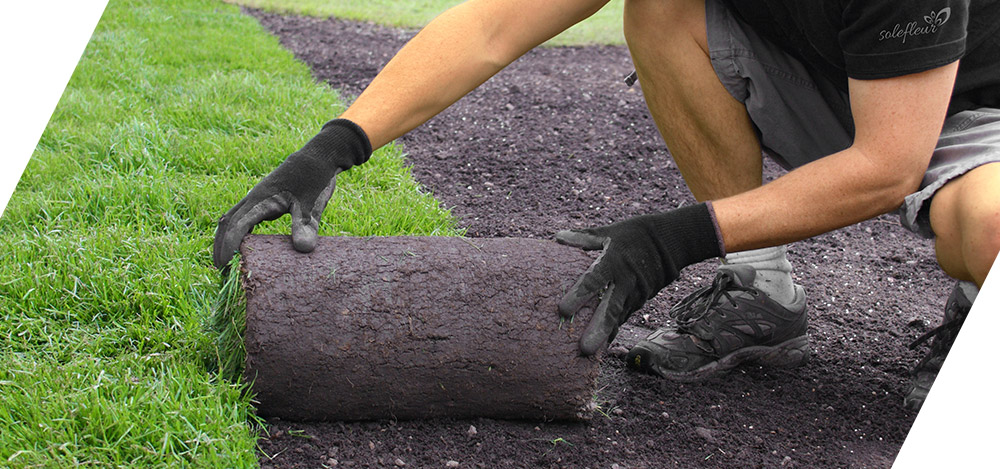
(697,305)
(944,336)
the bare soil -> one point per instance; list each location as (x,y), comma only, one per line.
(558,141)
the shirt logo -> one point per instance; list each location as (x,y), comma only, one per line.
(933,21)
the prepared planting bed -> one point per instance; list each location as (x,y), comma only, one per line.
(558,141)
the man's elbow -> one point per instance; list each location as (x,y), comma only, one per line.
(893,176)
(900,183)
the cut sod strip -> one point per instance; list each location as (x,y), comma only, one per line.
(176,109)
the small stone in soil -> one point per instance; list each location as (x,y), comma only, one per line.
(399,462)
(332,462)
(704,433)
(472,430)
(451,463)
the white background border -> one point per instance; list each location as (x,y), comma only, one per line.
(41,42)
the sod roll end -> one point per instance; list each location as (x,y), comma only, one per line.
(414,327)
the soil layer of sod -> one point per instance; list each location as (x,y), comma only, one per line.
(558,141)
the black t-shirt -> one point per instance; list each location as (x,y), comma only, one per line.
(870,39)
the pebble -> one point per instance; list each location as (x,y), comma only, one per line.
(704,433)
(399,462)
(472,430)
(787,460)
(451,463)
(332,462)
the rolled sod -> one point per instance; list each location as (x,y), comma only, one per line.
(414,327)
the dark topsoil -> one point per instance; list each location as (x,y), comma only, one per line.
(558,141)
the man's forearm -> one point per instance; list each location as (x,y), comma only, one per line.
(897,120)
(454,54)
(827,194)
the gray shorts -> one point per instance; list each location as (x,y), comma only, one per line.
(800,116)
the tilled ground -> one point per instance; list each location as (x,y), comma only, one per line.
(557,141)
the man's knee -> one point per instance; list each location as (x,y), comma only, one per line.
(981,237)
(966,216)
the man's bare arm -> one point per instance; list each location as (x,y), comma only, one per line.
(898,122)
(455,53)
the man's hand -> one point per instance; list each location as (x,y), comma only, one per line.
(641,256)
(301,186)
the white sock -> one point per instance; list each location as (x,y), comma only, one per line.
(774,272)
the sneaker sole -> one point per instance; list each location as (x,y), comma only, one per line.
(791,353)
(914,399)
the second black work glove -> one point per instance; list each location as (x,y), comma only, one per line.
(301,186)
(641,256)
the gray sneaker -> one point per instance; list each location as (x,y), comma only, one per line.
(955,311)
(723,325)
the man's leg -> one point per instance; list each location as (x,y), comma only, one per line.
(965,216)
(707,131)
(710,135)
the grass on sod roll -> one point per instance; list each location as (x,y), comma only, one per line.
(227,325)
(176,109)
(604,27)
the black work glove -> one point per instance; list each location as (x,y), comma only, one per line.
(301,186)
(641,256)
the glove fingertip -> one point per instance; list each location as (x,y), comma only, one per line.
(222,248)
(220,261)
(580,239)
(562,235)
(590,344)
(304,240)
(573,303)
(225,248)
(566,309)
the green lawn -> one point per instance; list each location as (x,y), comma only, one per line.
(176,109)
(605,27)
